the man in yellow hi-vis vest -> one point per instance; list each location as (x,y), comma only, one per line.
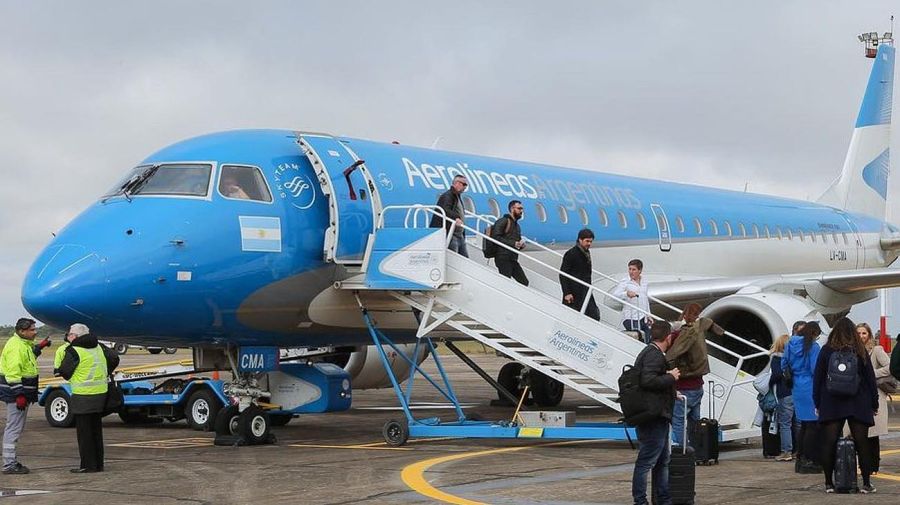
(86,365)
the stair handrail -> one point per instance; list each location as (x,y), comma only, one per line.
(417,208)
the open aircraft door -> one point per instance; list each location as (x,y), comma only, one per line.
(662,226)
(855,247)
(353,203)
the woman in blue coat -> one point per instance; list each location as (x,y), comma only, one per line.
(800,356)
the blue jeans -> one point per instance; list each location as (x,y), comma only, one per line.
(694,397)
(458,245)
(653,438)
(638,325)
(788,425)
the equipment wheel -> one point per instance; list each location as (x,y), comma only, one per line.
(201,410)
(227,421)
(546,391)
(57,410)
(396,433)
(280,419)
(510,378)
(120,348)
(154,350)
(253,424)
(170,350)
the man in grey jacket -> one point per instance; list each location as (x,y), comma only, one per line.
(653,436)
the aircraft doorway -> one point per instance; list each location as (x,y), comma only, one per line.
(351,205)
(662,227)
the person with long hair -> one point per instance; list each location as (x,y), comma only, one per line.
(689,355)
(881,363)
(799,359)
(834,409)
(787,424)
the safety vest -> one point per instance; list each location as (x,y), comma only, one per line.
(89,377)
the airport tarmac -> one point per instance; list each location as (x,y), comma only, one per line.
(340,458)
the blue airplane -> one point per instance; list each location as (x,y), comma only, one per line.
(237,238)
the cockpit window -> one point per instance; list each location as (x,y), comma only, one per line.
(175,179)
(243,183)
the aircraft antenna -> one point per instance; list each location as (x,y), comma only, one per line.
(436,142)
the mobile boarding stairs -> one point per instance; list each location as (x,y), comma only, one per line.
(531,326)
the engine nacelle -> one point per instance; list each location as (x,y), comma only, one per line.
(366,369)
(759,318)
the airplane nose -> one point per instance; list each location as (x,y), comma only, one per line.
(66,284)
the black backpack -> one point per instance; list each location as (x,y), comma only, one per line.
(842,377)
(489,247)
(638,407)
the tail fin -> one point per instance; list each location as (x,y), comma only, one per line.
(862,185)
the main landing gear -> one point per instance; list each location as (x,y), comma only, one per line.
(545,391)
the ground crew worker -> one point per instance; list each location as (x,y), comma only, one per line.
(87,365)
(61,351)
(18,387)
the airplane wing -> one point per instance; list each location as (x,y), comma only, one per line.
(842,281)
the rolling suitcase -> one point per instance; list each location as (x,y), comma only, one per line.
(845,467)
(682,472)
(706,435)
(771,441)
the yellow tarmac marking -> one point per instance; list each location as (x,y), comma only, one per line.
(888,476)
(174,443)
(414,475)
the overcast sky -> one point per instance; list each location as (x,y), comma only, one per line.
(715,93)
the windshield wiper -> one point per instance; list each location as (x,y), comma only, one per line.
(131,185)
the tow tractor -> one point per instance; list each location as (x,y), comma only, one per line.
(171,391)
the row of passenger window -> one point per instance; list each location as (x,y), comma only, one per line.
(713,226)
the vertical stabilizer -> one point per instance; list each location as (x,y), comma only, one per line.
(862,185)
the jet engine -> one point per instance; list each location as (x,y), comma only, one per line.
(366,369)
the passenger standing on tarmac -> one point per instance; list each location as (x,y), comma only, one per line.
(799,361)
(784,413)
(881,364)
(688,354)
(507,231)
(577,263)
(833,408)
(451,202)
(895,359)
(61,351)
(87,365)
(634,291)
(653,436)
(18,388)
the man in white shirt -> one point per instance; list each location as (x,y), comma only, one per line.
(634,292)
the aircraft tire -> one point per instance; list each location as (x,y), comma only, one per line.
(395,432)
(546,391)
(201,410)
(154,351)
(120,348)
(57,410)
(508,377)
(226,423)
(280,419)
(170,350)
(253,424)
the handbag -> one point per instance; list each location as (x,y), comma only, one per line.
(889,384)
(114,398)
(761,382)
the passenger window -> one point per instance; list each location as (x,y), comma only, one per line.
(661,223)
(563,214)
(468,204)
(755,230)
(812,236)
(800,234)
(789,233)
(743,229)
(713,226)
(834,237)
(584,216)
(824,238)
(180,180)
(846,242)
(727,228)
(604,219)
(239,182)
(493,207)
(778,232)
(768,233)
(623,221)
(642,222)
(679,224)
(541,212)
(697,226)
